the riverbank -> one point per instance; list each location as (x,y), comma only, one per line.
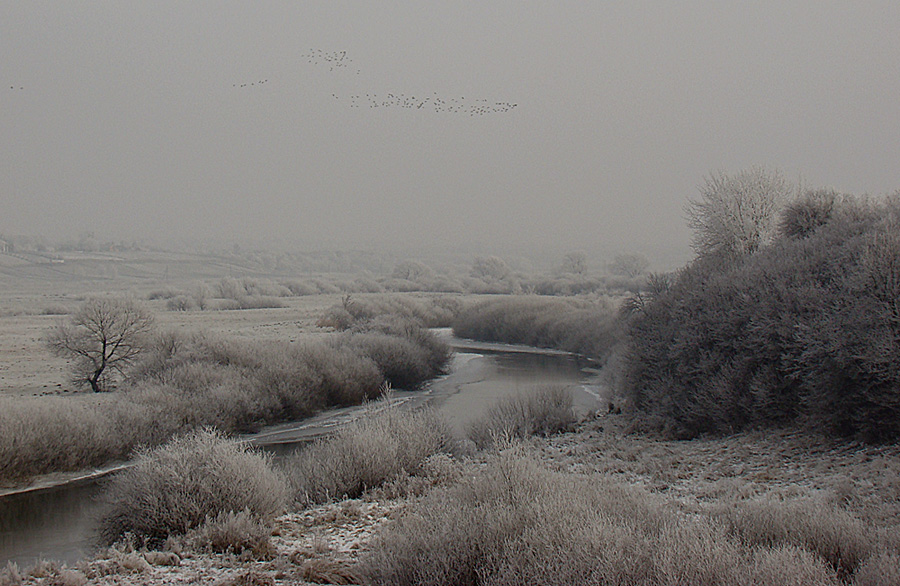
(853,488)
(319,545)
(474,383)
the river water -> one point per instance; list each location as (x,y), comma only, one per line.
(58,523)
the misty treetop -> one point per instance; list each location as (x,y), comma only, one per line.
(737,214)
(803,330)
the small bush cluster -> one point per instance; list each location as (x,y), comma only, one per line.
(588,328)
(190,381)
(49,434)
(176,487)
(804,330)
(230,293)
(541,411)
(518,523)
(235,385)
(402,363)
(162,294)
(365,454)
(353,313)
(564,285)
(406,353)
(236,289)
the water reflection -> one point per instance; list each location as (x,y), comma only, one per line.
(494,374)
(55,524)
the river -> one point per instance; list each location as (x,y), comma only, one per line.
(58,523)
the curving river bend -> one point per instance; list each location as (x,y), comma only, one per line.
(57,523)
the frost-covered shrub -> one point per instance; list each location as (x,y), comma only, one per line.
(174,488)
(804,330)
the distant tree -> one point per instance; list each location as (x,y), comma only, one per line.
(629,265)
(87,242)
(737,214)
(574,263)
(490,268)
(411,270)
(103,335)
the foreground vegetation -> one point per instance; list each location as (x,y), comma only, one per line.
(366,454)
(518,523)
(194,479)
(589,506)
(540,411)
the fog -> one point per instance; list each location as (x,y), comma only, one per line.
(504,124)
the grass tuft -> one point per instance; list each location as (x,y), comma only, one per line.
(365,454)
(541,411)
(10,575)
(242,533)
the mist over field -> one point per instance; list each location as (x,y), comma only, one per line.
(411,126)
(450,293)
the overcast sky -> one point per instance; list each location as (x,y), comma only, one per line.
(562,125)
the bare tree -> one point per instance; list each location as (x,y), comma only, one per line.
(411,270)
(737,214)
(629,265)
(574,263)
(490,268)
(104,335)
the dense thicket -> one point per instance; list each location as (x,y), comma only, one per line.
(804,330)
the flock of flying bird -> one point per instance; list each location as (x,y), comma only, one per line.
(335,60)
(260,82)
(338,59)
(433,102)
(332,59)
